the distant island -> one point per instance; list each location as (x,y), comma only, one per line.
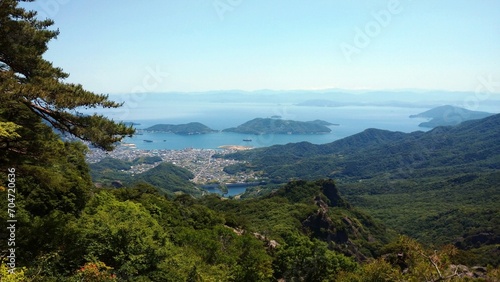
(192,128)
(130,123)
(448,116)
(278,126)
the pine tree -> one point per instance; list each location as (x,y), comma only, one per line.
(52,178)
(32,89)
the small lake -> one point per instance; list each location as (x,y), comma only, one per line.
(233,189)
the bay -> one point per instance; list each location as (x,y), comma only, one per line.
(351,120)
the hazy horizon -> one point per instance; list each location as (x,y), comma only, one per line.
(214,45)
(184,107)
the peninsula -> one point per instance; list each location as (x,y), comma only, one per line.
(448,116)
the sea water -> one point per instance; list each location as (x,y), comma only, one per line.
(350,120)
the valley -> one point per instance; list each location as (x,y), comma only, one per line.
(200,162)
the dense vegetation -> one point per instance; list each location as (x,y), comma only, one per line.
(166,177)
(69,230)
(303,231)
(184,129)
(280,126)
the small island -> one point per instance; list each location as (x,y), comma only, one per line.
(130,123)
(448,116)
(278,126)
(192,128)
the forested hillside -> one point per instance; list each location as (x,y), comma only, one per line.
(439,186)
(166,177)
(468,147)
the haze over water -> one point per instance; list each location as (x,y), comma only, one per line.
(353,112)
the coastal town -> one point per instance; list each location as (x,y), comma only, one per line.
(205,168)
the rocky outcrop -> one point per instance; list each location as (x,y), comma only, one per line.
(337,235)
(270,244)
(331,192)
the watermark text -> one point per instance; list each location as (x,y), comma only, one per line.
(11,221)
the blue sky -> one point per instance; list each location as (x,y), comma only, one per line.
(199,45)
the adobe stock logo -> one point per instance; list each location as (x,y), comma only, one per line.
(50,8)
(151,81)
(224,6)
(363,37)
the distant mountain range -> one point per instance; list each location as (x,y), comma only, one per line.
(449,115)
(320,103)
(464,146)
(409,97)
